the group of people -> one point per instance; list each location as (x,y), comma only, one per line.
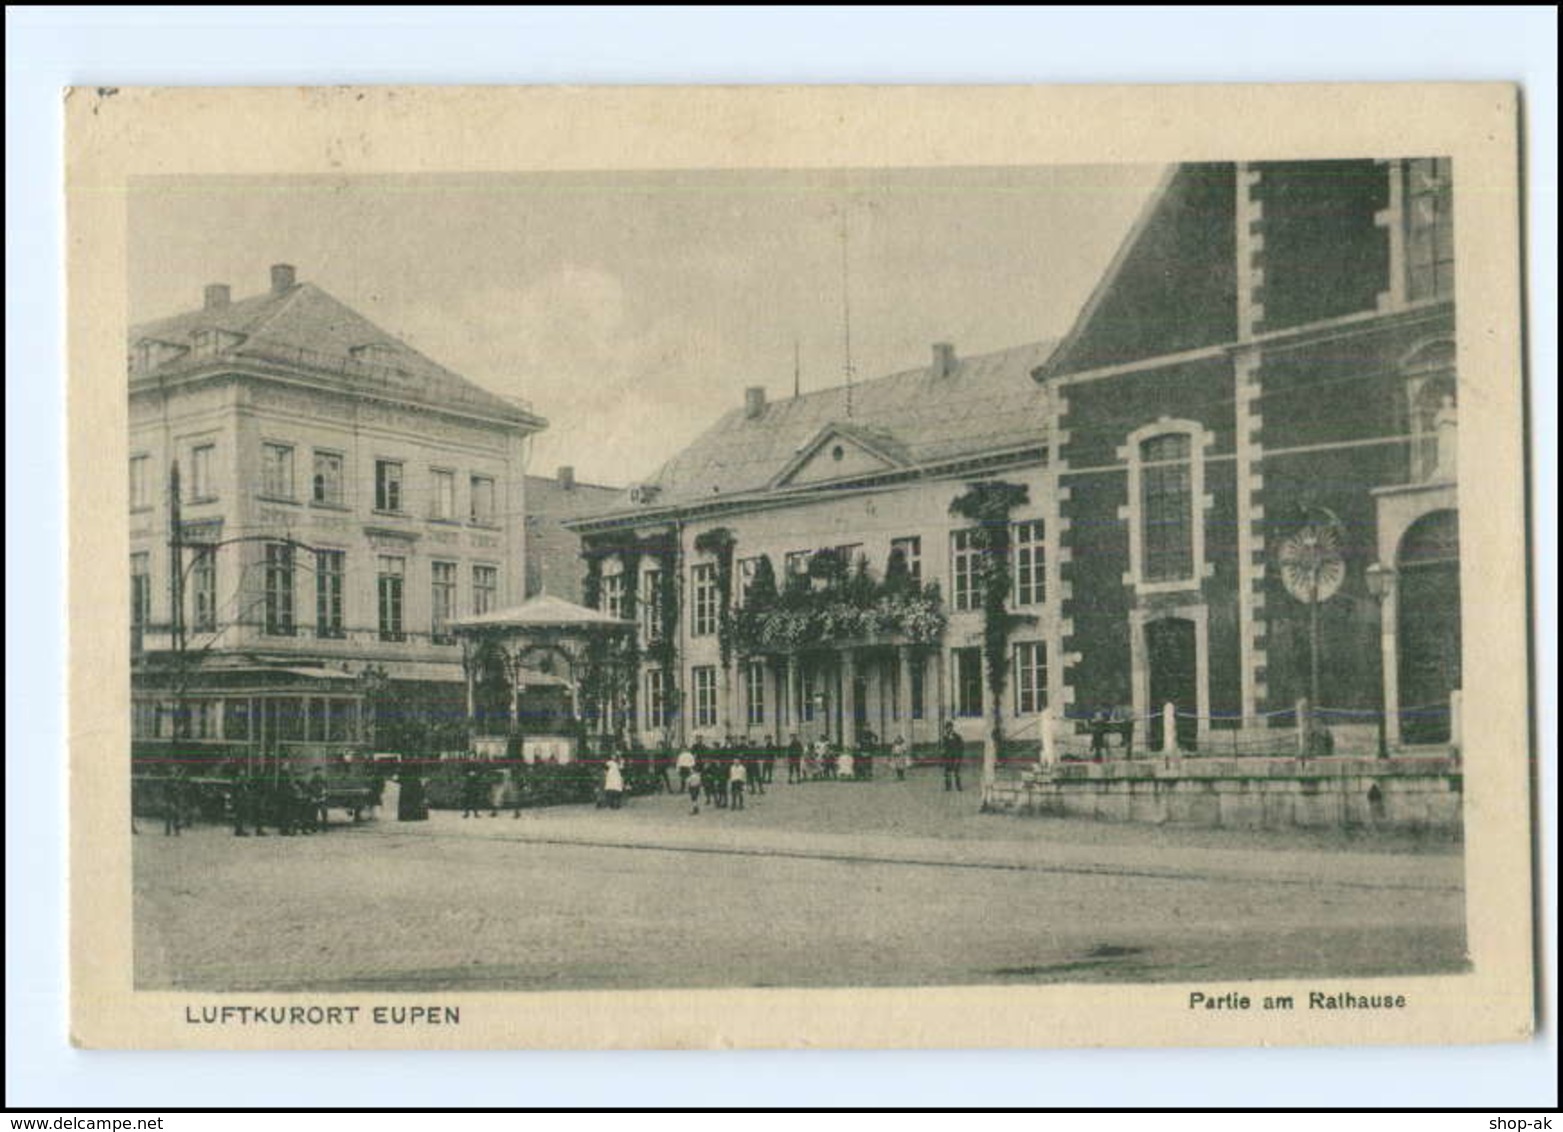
(284,801)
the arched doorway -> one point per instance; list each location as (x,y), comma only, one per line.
(1428,618)
(1172,656)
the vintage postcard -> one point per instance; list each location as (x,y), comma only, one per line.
(797,567)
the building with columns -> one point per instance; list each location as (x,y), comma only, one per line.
(312,503)
(1239,467)
(855,475)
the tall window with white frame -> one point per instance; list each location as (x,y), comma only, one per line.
(612,599)
(330,566)
(277,471)
(279,589)
(326,486)
(965,570)
(703,679)
(1167,508)
(442,502)
(388,485)
(485,589)
(203,590)
(1030,677)
(140,597)
(392,576)
(1030,563)
(656,699)
(911,548)
(442,595)
(483,512)
(140,482)
(201,486)
(1429,229)
(754,692)
(703,619)
(966,671)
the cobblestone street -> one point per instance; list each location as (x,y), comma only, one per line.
(820,884)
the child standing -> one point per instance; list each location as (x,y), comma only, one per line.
(692,784)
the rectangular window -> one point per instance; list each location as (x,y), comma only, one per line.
(1429,229)
(704,682)
(277,471)
(317,721)
(1167,504)
(393,573)
(143,719)
(1030,677)
(339,721)
(651,604)
(911,549)
(657,714)
(754,692)
(611,600)
(747,569)
(807,688)
(965,569)
(326,484)
(236,719)
(279,589)
(140,482)
(201,485)
(140,596)
(387,485)
(483,500)
(798,563)
(704,610)
(443,501)
(967,673)
(330,566)
(485,588)
(443,592)
(203,590)
(1030,564)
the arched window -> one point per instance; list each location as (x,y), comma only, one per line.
(1165,510)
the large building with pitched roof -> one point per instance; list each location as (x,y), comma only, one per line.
(856,474)
(312,502)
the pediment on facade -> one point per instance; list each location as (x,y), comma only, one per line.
(841,451)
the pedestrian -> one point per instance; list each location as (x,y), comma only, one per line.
(1099,722)
(795,759)
(768,761)
(954,752)
(316,791)
(866,742)
(753,765)
(173,802)
(686,767)
(663,757)
(471,793)
(692,784)
(613,782)
(737,778)
(900,758)
(845,765)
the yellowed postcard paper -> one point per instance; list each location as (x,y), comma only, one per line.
(797,567)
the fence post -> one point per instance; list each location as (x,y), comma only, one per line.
(1169,728)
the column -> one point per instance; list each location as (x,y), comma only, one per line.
(848,697)
(794,709)
(903,670)
(468,668)
(513,670)
(940,691)
(1389,656)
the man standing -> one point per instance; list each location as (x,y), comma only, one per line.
(954,752)
(316,790)
(471,793)
(795,759)
(737,777)
(686,767)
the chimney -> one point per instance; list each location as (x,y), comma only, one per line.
(754,402)
(943,359)
(217,296)
(566,477)
(281,277)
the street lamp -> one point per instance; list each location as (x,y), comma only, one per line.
(1381,581)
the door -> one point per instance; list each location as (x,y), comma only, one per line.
(1429,626)
(1173,659)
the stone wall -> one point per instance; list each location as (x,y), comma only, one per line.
(1411,795)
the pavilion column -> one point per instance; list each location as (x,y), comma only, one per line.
(514,667)
(903,669)
(469,669)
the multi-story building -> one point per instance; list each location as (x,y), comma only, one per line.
(865,473)
(553,550)
(312,502)
(1240,494)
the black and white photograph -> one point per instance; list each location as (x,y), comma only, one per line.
(1030,577)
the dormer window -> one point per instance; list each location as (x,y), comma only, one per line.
(208,343)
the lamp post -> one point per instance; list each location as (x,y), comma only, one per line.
(1381,580)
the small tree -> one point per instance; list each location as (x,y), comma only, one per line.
(988,505)
(719,542)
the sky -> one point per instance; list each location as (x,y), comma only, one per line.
(632,310)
